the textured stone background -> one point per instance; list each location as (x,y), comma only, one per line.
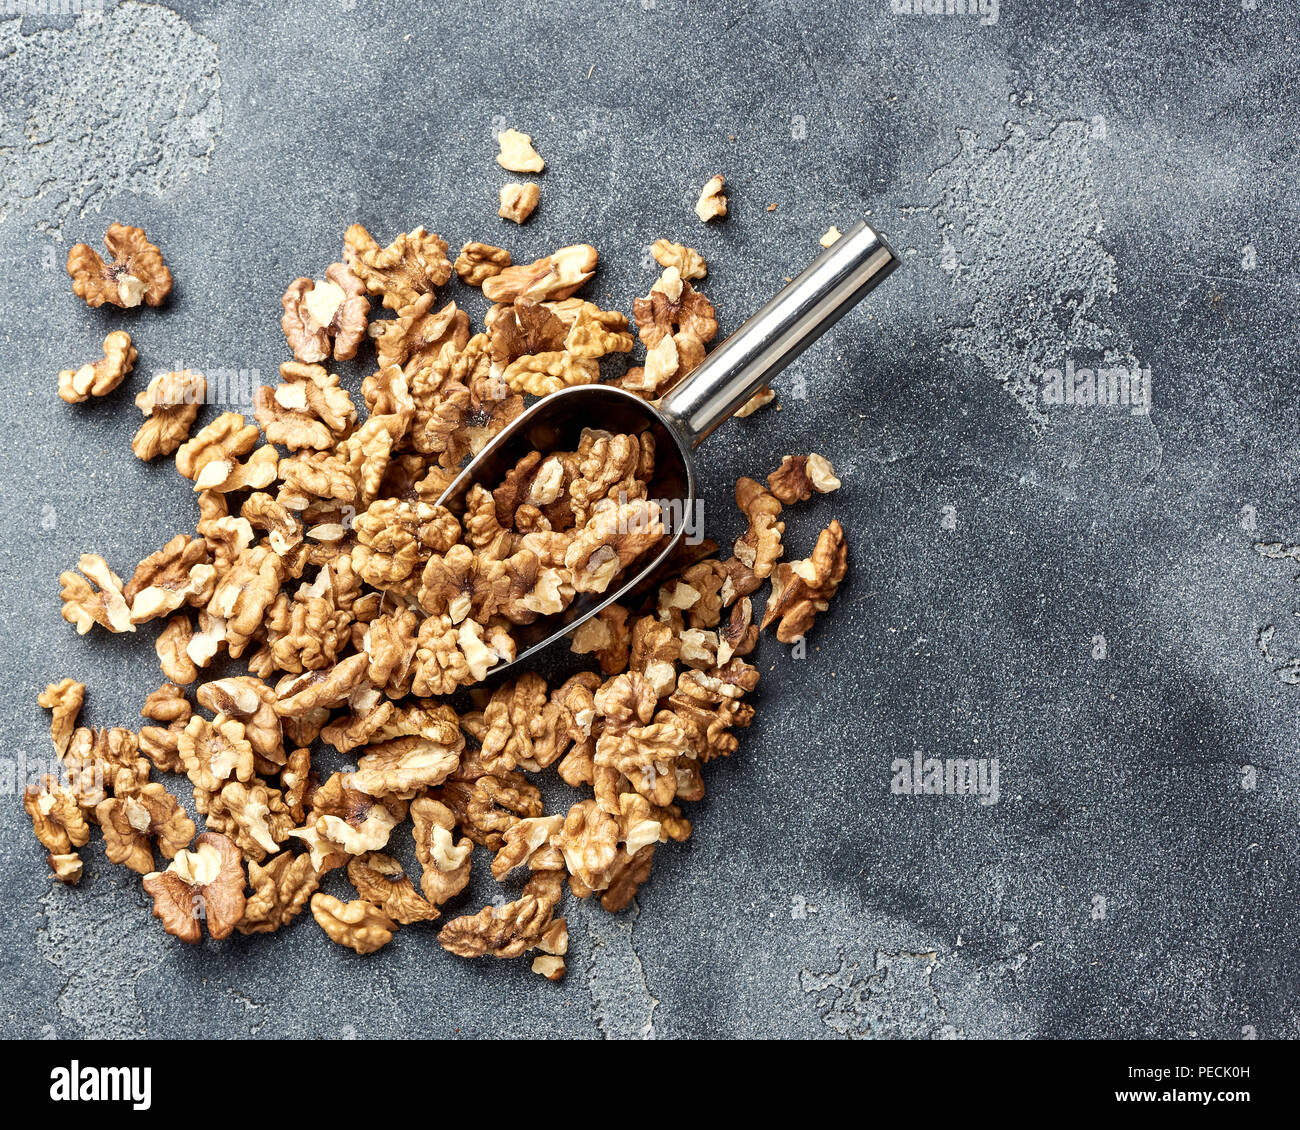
(1098,180)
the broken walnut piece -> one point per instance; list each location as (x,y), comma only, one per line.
(99,378)
(801,589)
(405,766)
(800,475)
(160,743)
(325,317)
(759,548)
(521,328)
(57,818)
(528,842)
(478,262)
(380,880)
(517,153)
(417,338)
(763,397)
(215,752)
(135,274)
(252,703)
(253,815)
(84,606)
(674,308)
(445,863)
(179,573)
(281,887)
(554,276)
(413,264)
(689,263)
(588,839)
(170,405)
(549,966)
(172,647)
(66,868)
(518,201)
(512,929)
(133,819)
(540,374)
(308,410)
(64,700)
(344,821)
(712,203)
(225,440)
(357,924)
(205,885)
(606,636)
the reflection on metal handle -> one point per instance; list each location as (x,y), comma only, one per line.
(837,279)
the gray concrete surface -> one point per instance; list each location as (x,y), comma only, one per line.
(1073,590)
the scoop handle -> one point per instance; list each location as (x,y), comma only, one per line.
(839,278)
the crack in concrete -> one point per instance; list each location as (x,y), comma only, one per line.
(620,996)
(895,999)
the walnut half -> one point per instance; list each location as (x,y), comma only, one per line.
(99,378)
(203,885)
(136,273)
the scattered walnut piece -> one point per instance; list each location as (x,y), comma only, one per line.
(172,646)
(380,880)
(57,817)
(513,929)
(542,373)
(344,821)
(688,262)
(215,752)
(552,277)
(84,606)
(518,201)
(357,924)
(64,700)
(179,573)
(253,815)
(800,475)
(160,744)
(281,888)
(445,862)
(831,237)
(413,264)
(170,405)
(205,885)
(135,274)
(132,820)
(759,548)
(763,397)
(309,410)
(549,966)
(801,589)
(66,868)
(478,262)
(712,203)
(99,378)
(325,317)
(517,153)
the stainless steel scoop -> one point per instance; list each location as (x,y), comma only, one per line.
(837,279)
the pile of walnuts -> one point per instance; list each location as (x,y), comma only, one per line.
(360,608)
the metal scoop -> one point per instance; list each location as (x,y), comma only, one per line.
(838,279)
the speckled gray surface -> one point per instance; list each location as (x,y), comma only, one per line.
(1098,182)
